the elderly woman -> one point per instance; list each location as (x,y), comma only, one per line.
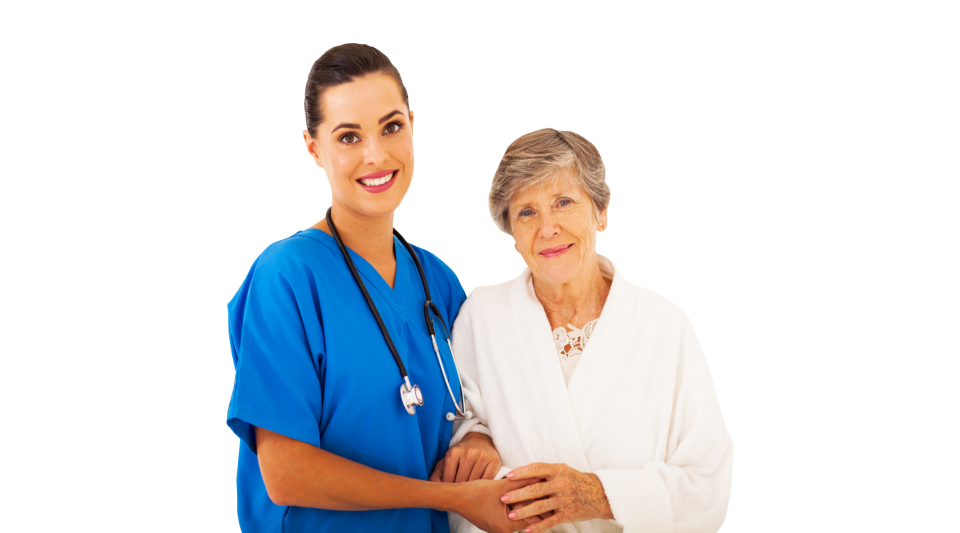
(593,385)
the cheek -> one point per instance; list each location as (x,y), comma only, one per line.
(340,164)
(402,152)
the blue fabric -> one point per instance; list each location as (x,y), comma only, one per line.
(312,364)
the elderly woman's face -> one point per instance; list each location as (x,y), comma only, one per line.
(555,227)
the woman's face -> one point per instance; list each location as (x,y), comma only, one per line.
(365,144)
(555,228)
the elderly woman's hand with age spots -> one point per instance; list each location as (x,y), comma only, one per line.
(567,493)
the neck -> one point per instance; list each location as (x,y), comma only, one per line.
(576,302)
(370,237)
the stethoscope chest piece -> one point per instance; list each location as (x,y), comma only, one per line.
(411,397)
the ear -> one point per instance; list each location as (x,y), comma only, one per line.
(603,220)
(313,148)
(411,122)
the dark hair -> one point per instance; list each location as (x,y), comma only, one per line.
(343,64)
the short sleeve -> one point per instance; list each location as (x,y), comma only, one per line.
(276,337)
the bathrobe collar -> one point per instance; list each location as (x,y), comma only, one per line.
(556,399)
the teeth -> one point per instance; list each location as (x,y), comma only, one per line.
(378,181)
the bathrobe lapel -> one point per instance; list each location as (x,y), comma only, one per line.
(548,386)
(590,381)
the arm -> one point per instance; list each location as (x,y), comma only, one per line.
(299,474)
(472,454)
(688,491)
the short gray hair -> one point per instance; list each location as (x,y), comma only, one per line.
(537,157)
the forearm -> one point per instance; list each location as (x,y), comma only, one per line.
(299,474)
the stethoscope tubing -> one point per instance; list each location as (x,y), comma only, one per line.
(428,305)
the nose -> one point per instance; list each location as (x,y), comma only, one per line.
(373,154)
(548,226)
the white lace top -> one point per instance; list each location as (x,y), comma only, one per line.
(570,345)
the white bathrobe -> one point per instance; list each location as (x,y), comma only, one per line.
(640,411)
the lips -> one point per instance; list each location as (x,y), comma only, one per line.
(556,251)
(377,182)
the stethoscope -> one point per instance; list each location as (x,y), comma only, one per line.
(410,395)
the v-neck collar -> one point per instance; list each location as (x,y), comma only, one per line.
(397,296)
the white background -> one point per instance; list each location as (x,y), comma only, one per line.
(785,172)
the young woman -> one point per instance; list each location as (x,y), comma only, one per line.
(343,401)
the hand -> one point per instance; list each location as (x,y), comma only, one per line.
(473,458)
(515,506)
(483,508)
(573,496)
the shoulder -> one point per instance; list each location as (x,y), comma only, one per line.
(488,300)
(303,257)
(648,306)
(295,251)
(435,266)
(444,279)
(286,266)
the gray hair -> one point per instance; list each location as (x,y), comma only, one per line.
(539,157)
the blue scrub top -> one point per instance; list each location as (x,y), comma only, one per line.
(312,364)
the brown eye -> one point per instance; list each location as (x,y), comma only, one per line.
(349,138)
(392,127)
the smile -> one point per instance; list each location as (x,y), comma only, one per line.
(556,251)
(378,181)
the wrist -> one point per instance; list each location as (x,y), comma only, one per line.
(601,504)
(473,435)
(452,497)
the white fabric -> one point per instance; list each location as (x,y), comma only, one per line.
(570,345)
(640,411)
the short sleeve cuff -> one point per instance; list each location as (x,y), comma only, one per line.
(243,425)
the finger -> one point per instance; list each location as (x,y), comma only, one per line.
(437,470)
(509,485)
(544,525)
(536,508)
(465,467)
(477,471)
(531,492)
(452,461)
(532,470)
(491,471)
(530,521)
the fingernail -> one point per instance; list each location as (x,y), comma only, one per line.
(510,475)
(512,516)
(504,498)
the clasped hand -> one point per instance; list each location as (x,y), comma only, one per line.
(560,494)
(535,497)
(472,458)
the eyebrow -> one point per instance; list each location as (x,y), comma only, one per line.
(352,126)
(346,125)
(388,115)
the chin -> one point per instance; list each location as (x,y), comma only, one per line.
(381,204)
(559,274)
